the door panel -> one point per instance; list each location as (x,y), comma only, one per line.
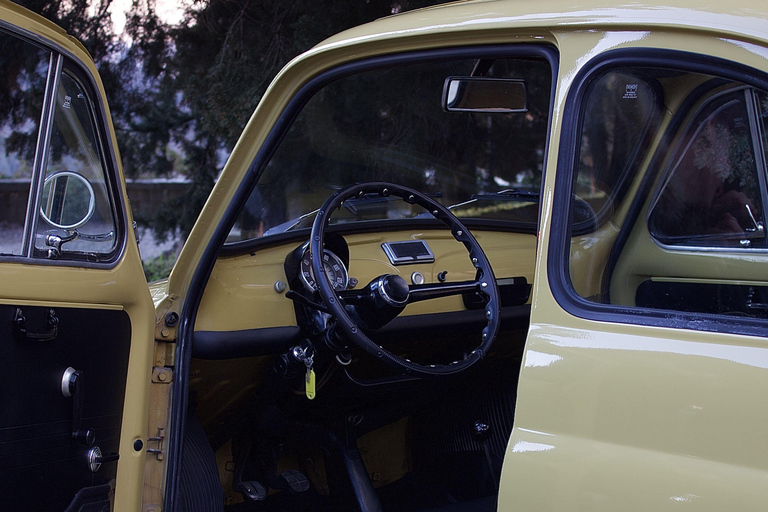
(43,466)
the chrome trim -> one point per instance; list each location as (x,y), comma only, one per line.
(384,295)
(91,202)
(94,459)
(66,379)
(41,153)
(395,260)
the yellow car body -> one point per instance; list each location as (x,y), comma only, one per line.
(624,394)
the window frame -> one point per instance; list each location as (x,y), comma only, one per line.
(559,245)
(62,60)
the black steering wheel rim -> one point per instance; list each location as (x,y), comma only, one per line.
(485,280)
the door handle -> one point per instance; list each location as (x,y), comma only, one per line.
(52,324)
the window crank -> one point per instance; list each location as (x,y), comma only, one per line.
(72,386)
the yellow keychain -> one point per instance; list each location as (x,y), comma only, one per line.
(310,383)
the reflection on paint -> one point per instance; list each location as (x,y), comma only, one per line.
(535,359)
(756,357)
(527,446)
(752,48)
(687,497)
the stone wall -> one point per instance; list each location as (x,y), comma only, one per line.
(146,196)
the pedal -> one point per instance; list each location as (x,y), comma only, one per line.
(253,491)
(297,482)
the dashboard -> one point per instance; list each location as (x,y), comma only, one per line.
(246,311)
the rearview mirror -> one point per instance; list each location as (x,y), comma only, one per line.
(68,200)
(479,94)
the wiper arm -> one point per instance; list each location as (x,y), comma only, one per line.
(290,224)
(508,194)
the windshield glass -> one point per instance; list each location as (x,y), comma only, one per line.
(390,125)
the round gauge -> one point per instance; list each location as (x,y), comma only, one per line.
(334,270)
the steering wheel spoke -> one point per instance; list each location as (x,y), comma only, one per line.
(427,291)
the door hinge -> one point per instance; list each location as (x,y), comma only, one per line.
(159,439)
(165,354)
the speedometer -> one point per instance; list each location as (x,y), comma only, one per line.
(334,270)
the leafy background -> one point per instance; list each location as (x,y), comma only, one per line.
(181,94)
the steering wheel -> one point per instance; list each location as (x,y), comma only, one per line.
(386,296)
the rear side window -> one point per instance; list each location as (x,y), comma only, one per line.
(712,195)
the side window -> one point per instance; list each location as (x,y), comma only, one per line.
(619,114)
(712,194)
(681,202)
(55,199)
(24,68)
(76,215)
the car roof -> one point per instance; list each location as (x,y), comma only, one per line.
(741,19)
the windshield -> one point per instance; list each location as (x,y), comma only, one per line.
(390,125)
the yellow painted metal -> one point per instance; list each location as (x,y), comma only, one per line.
(241,292)
(607,416)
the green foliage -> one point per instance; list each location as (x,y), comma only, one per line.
(159,267)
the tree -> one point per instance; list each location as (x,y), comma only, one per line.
(209,73)
(190,89)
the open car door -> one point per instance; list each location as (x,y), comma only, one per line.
(76,317)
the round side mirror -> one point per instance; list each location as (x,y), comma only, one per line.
(68,200)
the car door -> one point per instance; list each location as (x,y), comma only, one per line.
(643,381)
(76,317)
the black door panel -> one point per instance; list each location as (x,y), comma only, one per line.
(42,465)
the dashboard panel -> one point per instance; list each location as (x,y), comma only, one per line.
(245,284)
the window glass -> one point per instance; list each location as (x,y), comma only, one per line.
(76,213)
(621,111)
(389,125)
(24,68)
(712,194)
(680,201)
